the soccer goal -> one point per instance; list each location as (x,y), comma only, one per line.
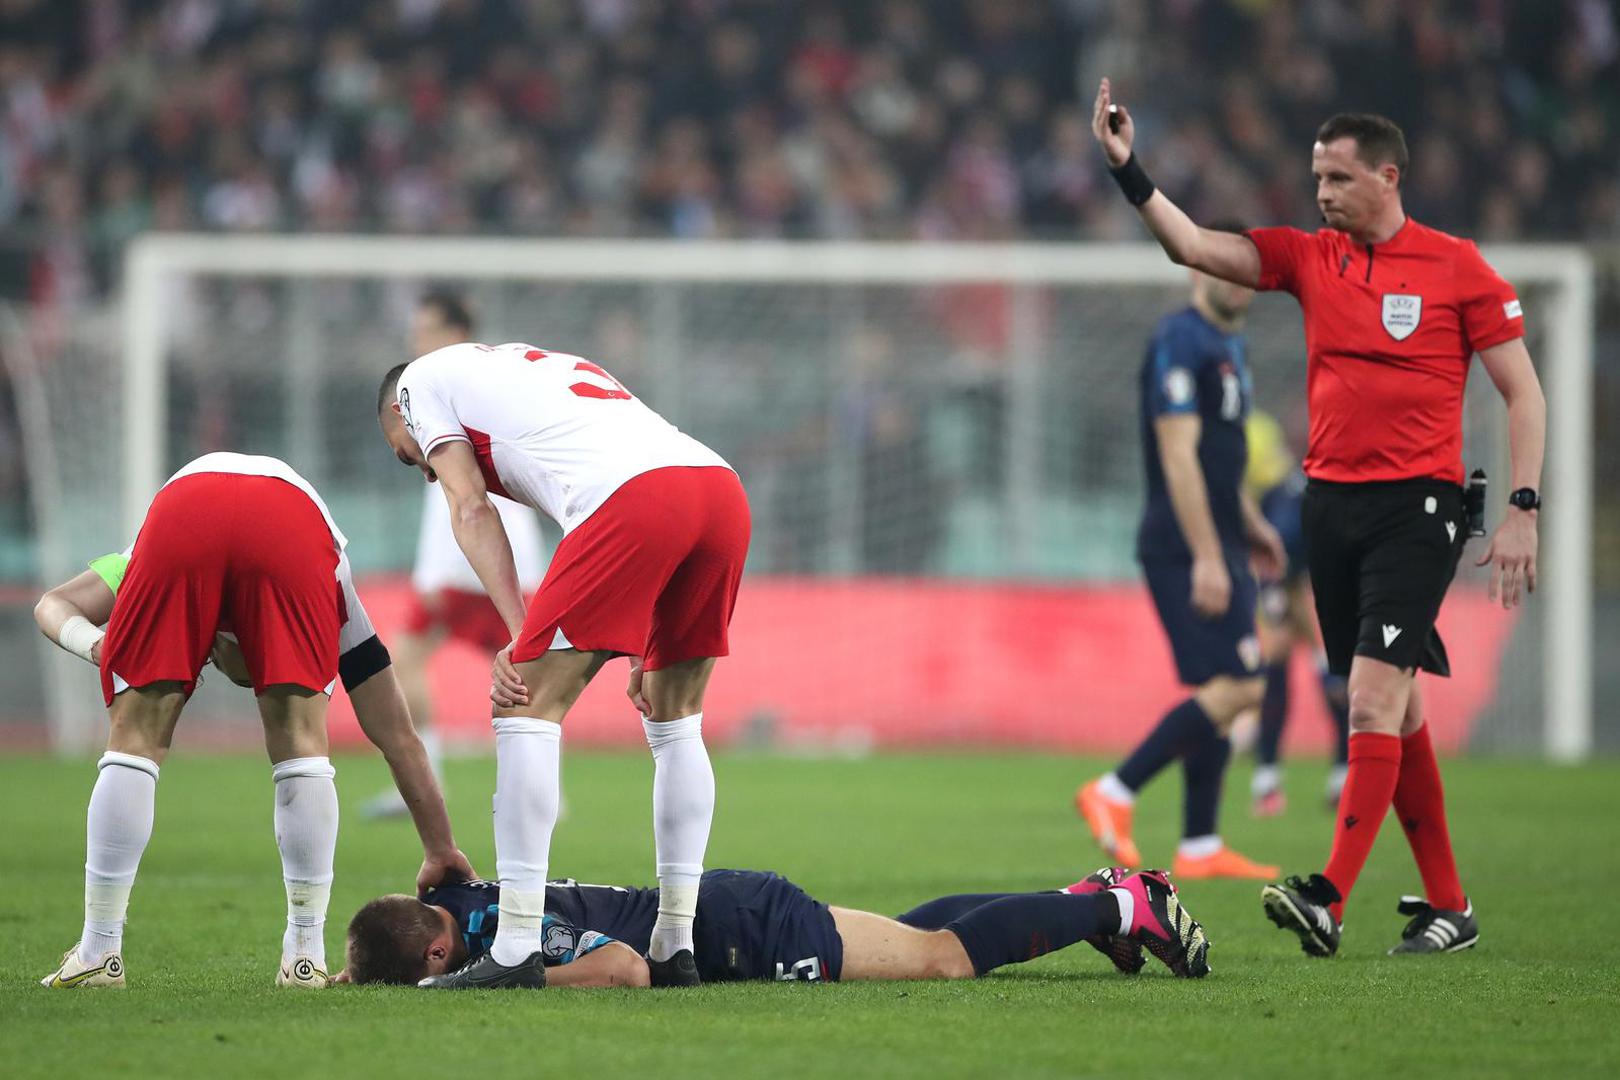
(940,443)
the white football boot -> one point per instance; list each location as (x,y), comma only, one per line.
(302,973)
(75,974)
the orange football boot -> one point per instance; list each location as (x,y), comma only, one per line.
(1225,863)
(1110,824)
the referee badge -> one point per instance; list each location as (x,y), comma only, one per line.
(1402,313)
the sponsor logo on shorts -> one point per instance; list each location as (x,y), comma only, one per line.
(1390,634)
(1249,652)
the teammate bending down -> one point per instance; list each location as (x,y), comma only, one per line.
(239,558)
(759,925)
(655,531)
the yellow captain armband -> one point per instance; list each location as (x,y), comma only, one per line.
(111,569)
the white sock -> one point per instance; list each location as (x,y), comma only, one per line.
(1336,778)
(117,827)
(1114,790)
(1266,779)
(434,745)
(1127,909)
(1199,847)
(683,809)
(528,777)
(306,832)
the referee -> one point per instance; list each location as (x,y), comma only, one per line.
(1394,311)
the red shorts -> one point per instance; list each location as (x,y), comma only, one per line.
(652,573)
(462,614)
(251,552)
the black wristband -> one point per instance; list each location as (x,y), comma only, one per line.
(1133,181)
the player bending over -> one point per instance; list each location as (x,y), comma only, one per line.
(655,531)
(758,925)
(238,558)
(448,603)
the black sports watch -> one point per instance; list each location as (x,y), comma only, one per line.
(1525,499)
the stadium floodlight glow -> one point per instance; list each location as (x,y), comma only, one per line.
(1561,315)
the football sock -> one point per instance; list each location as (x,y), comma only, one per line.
(1203,770)
(683,809)
(117,827)
(1021,927)
(935,914)
(1420,804)
(433,745)
(306,820)
(1183,729)
(1266,778)
(1375,765)
(1273,713)
(528,775)
(1199,847)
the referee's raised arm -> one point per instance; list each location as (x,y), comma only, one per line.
(1225,255)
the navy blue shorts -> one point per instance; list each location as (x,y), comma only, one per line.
(1205,648)
(1283,506)
(758,925)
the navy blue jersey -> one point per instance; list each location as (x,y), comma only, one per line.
(1195,369)
(579,918)
(750,924)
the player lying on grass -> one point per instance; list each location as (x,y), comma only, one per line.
(758,925)
(245,544)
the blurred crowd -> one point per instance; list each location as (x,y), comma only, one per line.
(943,119)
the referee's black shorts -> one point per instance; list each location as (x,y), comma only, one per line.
(1381,557)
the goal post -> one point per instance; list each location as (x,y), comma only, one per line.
(1037,371)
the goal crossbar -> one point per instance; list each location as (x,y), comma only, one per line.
(1566,364)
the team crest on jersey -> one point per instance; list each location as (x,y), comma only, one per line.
(1402,312)
(405,410)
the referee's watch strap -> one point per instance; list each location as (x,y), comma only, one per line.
(1133,181)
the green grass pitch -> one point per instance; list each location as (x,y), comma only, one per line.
(1540,996)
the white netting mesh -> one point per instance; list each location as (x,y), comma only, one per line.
(941,431)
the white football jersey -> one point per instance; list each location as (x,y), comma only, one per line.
(440,563)
(550,430)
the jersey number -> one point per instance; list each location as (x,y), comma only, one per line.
(1231,395)
(608,389)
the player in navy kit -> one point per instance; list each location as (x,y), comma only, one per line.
(759,925)
(1198,533)
(1287,619)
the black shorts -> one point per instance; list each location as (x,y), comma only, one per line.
(1205,648)
(1381,557)
(758,925)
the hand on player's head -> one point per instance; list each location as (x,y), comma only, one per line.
(1112,125)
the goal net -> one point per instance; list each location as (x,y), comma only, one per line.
(940,443)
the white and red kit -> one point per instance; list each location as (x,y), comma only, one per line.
(445,591)
(242,544)
(655,524)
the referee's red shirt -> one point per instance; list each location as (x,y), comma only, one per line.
(1389,330)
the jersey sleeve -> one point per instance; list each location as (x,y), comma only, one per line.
(361,653)
(1282,253)
(425,405)
(111,568)
(1490,309)
(563,942)
(1173,380)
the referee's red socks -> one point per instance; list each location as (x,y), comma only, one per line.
(1375,768)
(1420,804)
